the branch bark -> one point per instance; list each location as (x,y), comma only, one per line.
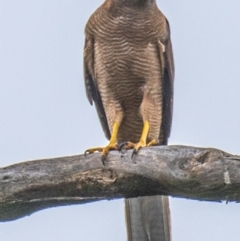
(179,171)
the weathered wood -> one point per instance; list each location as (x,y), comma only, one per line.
(179,171)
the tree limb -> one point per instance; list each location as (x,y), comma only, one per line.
(179,171)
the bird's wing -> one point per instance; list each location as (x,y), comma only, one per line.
(91,84)
(167,66)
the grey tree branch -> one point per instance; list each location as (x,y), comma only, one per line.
(179,171)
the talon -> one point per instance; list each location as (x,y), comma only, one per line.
(92,150)
(103,159)
(134,152)
(141,144)
(104,150)
(123,144)
(111,145)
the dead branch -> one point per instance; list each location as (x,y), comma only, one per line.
(179,171)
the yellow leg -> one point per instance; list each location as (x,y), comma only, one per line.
(143,140)
(112,145)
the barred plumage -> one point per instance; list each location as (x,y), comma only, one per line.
(129,69)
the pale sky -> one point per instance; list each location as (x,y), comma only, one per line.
(44,111)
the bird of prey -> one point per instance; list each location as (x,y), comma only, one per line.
(129,72)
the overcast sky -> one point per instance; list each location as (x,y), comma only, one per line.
(44,111)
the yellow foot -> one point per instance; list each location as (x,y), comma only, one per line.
(104,150)
(152,143)
(136,146)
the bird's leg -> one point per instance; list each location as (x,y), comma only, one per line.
(143,139)
(142,142)
(112,145)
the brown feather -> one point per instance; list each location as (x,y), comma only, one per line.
(129,72)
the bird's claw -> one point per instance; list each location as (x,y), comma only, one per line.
(103,159)
(123,145)
(104,151)
(134,152)
(129,145)
(92,150)
(136,146)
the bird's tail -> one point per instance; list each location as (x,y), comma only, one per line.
(148,218)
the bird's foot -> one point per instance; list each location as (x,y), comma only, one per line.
(136,146)
(104,150)
(152,143)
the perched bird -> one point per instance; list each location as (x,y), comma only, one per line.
(129,72)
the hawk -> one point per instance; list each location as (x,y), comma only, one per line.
(129,72)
